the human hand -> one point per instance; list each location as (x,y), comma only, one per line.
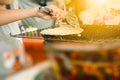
(55,14)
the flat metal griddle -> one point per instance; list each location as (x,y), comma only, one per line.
(92,36)
(36,35)
(91,32)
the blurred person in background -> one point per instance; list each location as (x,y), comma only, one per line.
(36,22)
(8,25)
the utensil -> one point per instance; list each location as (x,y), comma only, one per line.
(46,10)
(72,19)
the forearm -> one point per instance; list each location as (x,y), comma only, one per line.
(8,16)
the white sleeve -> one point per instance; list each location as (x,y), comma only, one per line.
(14,4)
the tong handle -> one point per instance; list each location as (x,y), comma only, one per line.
(46,10)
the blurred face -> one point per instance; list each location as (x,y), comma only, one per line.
(4,2)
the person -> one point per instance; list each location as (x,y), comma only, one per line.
(8,25)
(38,22)
(8,16)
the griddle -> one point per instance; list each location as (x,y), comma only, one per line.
(91,32)
(99,36)
(37,35)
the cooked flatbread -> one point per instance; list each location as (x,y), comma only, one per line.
(72,19)
(62,31)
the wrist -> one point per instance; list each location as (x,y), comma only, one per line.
(35,12)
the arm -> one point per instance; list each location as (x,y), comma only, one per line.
(8,16)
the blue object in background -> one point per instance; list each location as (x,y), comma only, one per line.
(43,3)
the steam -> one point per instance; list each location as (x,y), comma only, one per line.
(107,13)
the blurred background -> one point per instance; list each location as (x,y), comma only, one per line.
(95,55)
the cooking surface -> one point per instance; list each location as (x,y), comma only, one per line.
(84,45)
(99,36)
(62,31)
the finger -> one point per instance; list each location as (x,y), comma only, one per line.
(61,17)
(63,14)
(55,11)
(57,15)
(53,17)
(47,17)
(41,14)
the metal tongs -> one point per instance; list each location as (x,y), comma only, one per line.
(70,18)
(46,10)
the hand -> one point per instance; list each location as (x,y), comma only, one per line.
(56,13)
(60,3)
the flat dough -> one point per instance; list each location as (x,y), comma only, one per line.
(72,19)
(66,30)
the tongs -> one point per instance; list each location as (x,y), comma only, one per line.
(46,10)
(71,19)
